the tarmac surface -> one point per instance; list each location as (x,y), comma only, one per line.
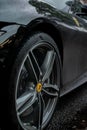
(71,111)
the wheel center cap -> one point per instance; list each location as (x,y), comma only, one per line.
(39,87)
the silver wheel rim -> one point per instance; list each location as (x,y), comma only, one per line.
(36,87)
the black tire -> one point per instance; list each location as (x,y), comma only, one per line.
(34,84)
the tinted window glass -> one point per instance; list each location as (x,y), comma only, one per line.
(60,4)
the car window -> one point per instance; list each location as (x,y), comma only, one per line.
(59,4)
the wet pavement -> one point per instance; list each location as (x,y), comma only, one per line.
(71,111)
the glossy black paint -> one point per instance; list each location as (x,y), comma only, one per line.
(19,17)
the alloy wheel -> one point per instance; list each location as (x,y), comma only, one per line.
(37,87)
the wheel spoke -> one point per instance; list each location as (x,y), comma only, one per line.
(36,65)
(47,65)
(51,87)
(50,94)
(31,70)
(25,102)
(44,105)
(23,99)
(40,118)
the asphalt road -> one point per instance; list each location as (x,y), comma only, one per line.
(71,111)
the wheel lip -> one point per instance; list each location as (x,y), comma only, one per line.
(43,43)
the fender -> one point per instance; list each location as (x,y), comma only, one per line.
(9,31)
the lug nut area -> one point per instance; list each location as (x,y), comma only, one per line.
(39,87)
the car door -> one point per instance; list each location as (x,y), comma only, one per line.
(75,48)
(74,42)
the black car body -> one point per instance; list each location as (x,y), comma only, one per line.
(63,22)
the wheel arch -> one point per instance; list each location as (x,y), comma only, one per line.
(38,25)
(46,26)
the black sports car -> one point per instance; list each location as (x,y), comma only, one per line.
(43,56)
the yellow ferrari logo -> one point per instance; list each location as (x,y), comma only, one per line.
(76,21)
(39,87)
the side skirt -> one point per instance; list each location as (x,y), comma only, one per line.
(73,85)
